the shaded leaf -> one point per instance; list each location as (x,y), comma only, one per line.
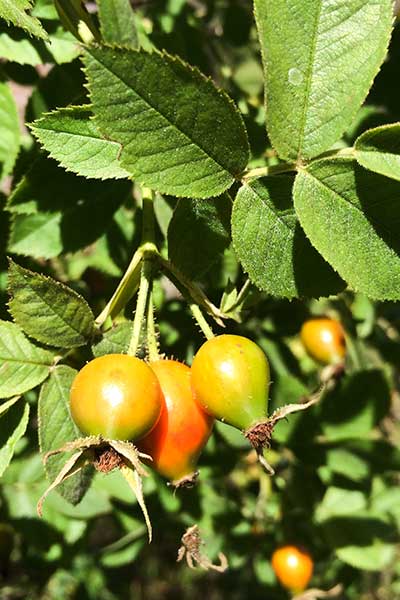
(355,407)
(117,22)
(351,216)
(56,427)
(13,428)
(9,130)
(55,211)
(379,150)
(115,340)
(198,234)
(271,245)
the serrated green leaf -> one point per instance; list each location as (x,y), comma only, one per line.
(351,216)
(318,67)
(9,131)
(198,234)
(179,134)
(14,11)
(47,310)
(56,427)
(117,23)
(12,429)
(379,150)
(271,245)
(72,138)
(115,340)
(23,366)
(57,212)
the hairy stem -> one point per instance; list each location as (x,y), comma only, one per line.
(204,326)
(140,313)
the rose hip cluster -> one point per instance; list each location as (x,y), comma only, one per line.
(167,408)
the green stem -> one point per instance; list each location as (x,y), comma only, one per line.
(204,326)
(130,281)
(127,288)
(149,251)
(147,217)
(140,313)
(241,295)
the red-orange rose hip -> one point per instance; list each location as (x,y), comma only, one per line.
(177,440)
(293,567)
(116,396)
(324,340)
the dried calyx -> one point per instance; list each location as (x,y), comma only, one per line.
(104,455)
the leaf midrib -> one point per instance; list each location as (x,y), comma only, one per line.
(309,78)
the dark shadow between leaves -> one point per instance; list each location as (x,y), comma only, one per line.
(357,531)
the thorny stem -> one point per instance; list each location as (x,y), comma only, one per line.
(204,326)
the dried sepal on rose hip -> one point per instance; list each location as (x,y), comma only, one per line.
(115,400)
(183,429)
(230,381)
(190,549)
